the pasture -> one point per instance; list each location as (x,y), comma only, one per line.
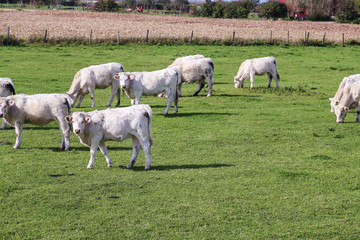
(241,164)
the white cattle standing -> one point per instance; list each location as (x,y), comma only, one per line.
(137,84)
(257,66)
(96,77)
(349,100)
(195,68)
(7,88)
(117,124)
(340,92)
(39,109)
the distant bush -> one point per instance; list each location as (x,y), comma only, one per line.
(106,6)
(273,10)
(348,13)
(318,17)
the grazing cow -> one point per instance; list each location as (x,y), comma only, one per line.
(349,100)
(117,124)
(195,68)
(257,66)
(7,88)
(340,92)
(39,109)
(137,84)
(97,76)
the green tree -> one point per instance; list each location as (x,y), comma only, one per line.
(106,5)
(273,10)
(348,12)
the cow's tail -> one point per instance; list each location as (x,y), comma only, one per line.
(11,88)
(68,104)
(149,116)
(178,81)
(277,73)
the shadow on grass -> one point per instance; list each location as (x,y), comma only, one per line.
(179,167)
(86,149)
(196,114)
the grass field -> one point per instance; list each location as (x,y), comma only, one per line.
(242,164)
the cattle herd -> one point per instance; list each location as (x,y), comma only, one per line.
(118,124)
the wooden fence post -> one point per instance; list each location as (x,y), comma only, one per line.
(45,35)
(343,40)
(270,36)
(8,37)
(323,41)
(307,38)
(288,37)
(90,40)
(147,36)
(118,38)
(191,37)
(233,39)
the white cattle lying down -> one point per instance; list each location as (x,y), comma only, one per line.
(349,100)
(137,84)
(7,88)
(97,76)
(257,66)
(340,92)
(117,124)
(39,109)
(195,68)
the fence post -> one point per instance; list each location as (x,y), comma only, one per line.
(270,36)
(288,37)
(191,37)
(233,37)
(118,38)
(147,36)
(343,40)
(44,41)
(323,42)
(90,41)
(8,36)
(307,38)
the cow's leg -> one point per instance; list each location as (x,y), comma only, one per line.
(276,76)
(170,100)
(137,100)
(269,79)
(92,95)
(145,144)
(93,150)
(252,78)
(210,84)
(80,101)
(200,86)
(179,89)
(132,101)
(65,133)
(18,131)
(136,150)
(104,151)
(3,125)
(118,97)
(114,88)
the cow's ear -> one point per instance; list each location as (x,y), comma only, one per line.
(131,77)
(337,102)
(346,109)
(10,102)
(117,76)
(68,118)
(87,119)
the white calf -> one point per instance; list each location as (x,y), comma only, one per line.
(137,84)
(257,66)
(97,127)
(39,109)
(193,69)
(7,88)
(96,77)
(349,100)
(340,92)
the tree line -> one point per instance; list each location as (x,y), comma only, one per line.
(343,11)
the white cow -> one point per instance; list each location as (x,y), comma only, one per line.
(257,66)
(349,100)
(97,76)
(7,88)
(340,92)
(137,84)
(195,68)
(39,109)
(117,124)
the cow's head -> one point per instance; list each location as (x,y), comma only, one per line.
(5,104)
(340,111)
(125,78)
(239,82)
(79,121)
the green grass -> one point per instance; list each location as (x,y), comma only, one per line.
(242,164)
